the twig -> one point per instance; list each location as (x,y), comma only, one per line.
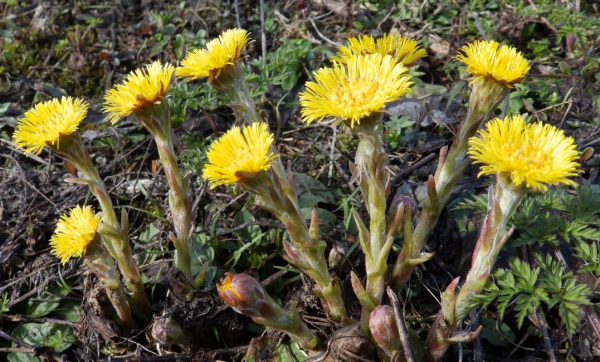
(475,16)
(406,172)
(14,340)
(237,14)
(16,149)
(547,341)
(263,35)
(410,357)
(592,318)
(331,155)
(505,107)
(210,121)
(337,45)
(22,318)
(477,348)
(17,350)
(275,276)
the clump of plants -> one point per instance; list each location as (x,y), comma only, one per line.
(365,75)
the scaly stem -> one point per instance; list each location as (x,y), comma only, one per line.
(370,166)
(306,251)
(492,237)
(282,200)
(114,235)
(103,266)
(485,97)
(157,120)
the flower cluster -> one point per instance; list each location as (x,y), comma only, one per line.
(366,75)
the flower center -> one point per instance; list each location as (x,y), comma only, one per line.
(355,94)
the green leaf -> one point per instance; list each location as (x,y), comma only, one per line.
(36,309)
(58,336)
(69,310)
(289,352)
(250,231)
(497,333)
(22,357)
(312,191)
(149,233)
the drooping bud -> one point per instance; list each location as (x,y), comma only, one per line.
(248,297)
(168,332)
(384,329)
(242,293)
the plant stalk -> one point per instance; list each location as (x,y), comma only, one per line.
(492,237)
(114,234)
(102,264)
(485,97)
(157,120)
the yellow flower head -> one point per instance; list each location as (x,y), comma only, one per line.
(354,90)
(141,88)
(47,122)
(403,50)
(487,59)
(74,232)
(219,53)
(532,154)
(239,154)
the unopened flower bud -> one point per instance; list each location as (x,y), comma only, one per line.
(168,332)
(384,329)
(242,293)
(248,297)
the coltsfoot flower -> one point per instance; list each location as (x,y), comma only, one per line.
(239,154)
(220,53)
(47,122)
(488,59)
(354,90)
(74,233)
(404,50)
(142,87)
(534,154)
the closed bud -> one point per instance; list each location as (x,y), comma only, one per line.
(242,293)
(248,297)
(168,332)
(384,329)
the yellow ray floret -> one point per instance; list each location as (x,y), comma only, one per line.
(239,154)
(47,122)
(141,88)
(221,52)
(74,232)
(534,154)
(354,90)
(403,50)
(488,59)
